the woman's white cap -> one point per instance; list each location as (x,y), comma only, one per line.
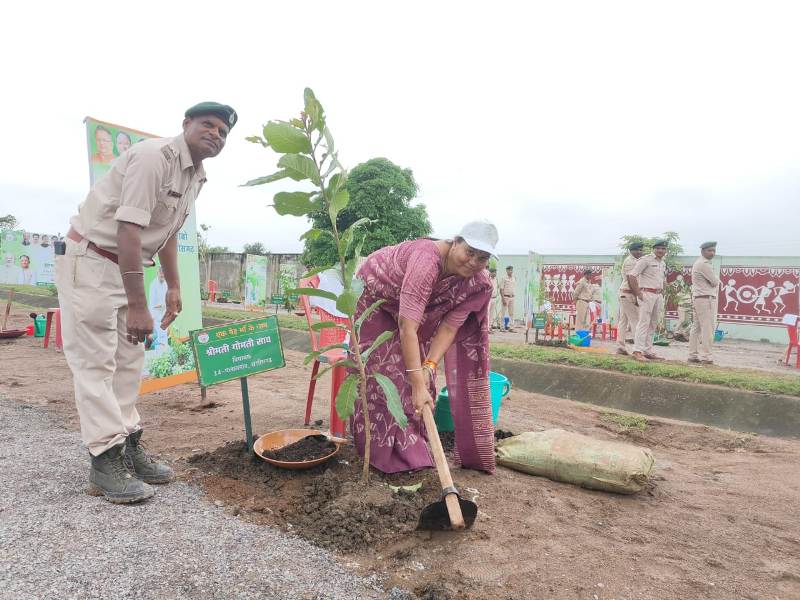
(480,235)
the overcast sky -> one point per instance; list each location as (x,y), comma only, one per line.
(567,124)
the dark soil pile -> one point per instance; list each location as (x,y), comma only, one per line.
(307,448)
(327,504)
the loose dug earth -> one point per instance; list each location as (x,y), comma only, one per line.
(308,448)
(719,521)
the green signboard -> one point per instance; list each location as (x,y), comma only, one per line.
(237,350)
(277,299)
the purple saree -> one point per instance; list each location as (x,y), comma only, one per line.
(407,277)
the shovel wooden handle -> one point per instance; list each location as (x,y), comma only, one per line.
(451,500)
(8,309)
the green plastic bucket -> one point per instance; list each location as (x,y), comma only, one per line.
(499,387)
(39,325)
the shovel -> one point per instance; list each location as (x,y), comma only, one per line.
(452,511)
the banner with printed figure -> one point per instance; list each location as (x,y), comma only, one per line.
(27,257)
(169,359)
(255,282)
(612,281)
(758,295)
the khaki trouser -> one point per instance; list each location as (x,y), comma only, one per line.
(494,312)
(508,309)
(702,336)
(581,314)
(106,368)
(628,317)
(649,311)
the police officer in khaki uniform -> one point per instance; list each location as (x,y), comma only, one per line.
(628,304)
(705,286)
(507,286)
(582,295)
(131,214)
(494,303)
(647,283)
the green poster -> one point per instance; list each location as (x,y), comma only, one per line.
(255,282)
(27,257)
(169,359)
(612,281)
(237,350)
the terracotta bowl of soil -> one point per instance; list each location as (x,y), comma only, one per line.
(294,449)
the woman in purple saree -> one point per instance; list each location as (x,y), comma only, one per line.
(436,295)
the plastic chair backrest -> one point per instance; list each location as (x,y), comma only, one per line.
(212,286)
(329,335)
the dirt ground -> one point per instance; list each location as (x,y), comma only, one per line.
(718,521)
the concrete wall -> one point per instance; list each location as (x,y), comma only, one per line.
(778,268)
(228,268)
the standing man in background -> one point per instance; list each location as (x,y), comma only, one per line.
(705,285)
(507,286)
(647,283)
(132,213)
(494,304)
(628,304)
(582,295)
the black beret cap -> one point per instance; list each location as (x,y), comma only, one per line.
(636,246)
(223,111)
(706,245)
(660,243)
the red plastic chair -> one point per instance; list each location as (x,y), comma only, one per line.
(320,339)
(53,312)
(793,343)
(212,290)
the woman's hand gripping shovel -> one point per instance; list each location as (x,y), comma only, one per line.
(452,511)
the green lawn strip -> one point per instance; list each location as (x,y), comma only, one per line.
(33,290)
(734,378)
(288,321)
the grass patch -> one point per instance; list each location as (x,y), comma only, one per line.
(289,321)
(626,421)
(733,378)
(32,290)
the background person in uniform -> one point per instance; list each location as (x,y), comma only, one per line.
(647,283)
(507,286)
(131,214)
(582,295)
(494,303)
(705,285)
(628,303)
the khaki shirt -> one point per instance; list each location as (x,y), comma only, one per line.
(154,185)
(704,281)
(650,272)
(583,291)
(627,268)
(507,286)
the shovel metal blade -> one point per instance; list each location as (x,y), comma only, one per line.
(435,517)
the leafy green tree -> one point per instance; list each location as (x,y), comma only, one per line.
(8,222)
(382,192)
(255,248)
(674,248)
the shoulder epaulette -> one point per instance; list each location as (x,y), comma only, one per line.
(169,152)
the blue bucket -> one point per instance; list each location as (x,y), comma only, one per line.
(585,335)
(718,335)
(499,387)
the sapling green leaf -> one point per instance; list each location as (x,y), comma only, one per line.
(393,402)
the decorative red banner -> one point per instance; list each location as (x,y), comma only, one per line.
(758,295)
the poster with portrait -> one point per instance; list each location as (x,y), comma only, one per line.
(169,360)
(610,286)
(559,282)
(758,295)
(255,282)
(27,257)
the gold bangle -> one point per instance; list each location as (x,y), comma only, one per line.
(430,363)
(133,273)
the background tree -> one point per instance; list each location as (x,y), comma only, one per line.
(382,192)
(255,248)
(8,222)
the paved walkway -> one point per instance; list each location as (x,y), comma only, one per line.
(58,542)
